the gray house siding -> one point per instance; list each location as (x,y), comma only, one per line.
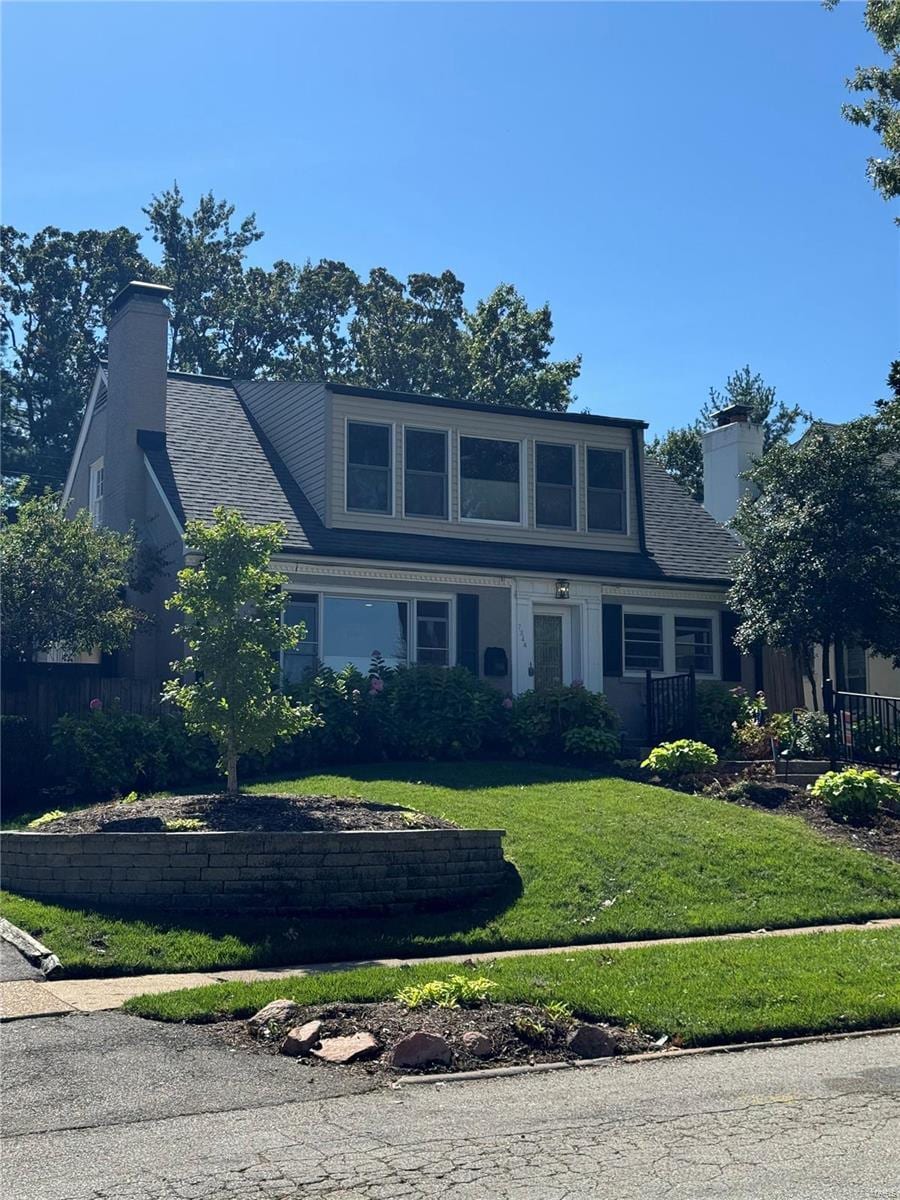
(292,416)
(488,425)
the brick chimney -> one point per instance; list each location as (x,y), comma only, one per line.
(137,353)
(728,450)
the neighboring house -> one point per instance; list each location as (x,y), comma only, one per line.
(533,548)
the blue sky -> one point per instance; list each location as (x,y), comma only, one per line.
(675,179)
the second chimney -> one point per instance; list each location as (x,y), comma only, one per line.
(729,449)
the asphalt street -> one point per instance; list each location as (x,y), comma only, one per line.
(106,1107)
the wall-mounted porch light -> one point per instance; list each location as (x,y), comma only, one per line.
(562,589)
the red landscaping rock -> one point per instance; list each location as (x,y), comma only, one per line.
(477,1043)
(279,1012)
(347,1049)
(590,1041)
(421,1048)
(301,1039)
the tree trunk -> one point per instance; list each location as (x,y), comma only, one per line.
(231,760)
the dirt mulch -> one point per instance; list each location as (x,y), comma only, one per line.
(520,1034)
(272,813)
(881,837)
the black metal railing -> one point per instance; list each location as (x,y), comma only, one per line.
(862,728)
(671,707)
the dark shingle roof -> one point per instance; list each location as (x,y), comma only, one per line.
(215,453)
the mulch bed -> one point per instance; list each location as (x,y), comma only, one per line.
(513,1029)
(881,837)
(271,813)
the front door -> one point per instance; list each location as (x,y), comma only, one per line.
(552,648)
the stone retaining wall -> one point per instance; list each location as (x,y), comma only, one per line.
(246,871)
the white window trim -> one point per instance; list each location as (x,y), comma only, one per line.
(522,522)
(411,598)
(392,467)
(626,477)
(576,489)
(93,499)
(668,638)
(447,436)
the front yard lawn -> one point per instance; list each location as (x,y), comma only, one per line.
(599,859)
(697,994)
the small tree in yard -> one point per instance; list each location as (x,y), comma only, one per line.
(232,604)
(822,561)
(64,582)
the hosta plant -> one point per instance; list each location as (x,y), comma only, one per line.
(680,760)
(855,795)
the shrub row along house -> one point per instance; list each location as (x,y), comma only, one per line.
(534,548)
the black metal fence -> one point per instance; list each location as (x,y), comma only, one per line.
(671,707)
(862,728)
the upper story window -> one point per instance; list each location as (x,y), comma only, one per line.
(606,490)
(554,485)
(489,480)
(694,644)
(96,492)
(369,468)
(425,473)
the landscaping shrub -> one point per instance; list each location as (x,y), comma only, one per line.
(24,764)
(110,753)
(854,795)
(459,991)
(540,723)
(719,709)
(874,741)
(681,762)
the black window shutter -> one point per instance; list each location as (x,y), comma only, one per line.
(731,656)
(467,631)
(612,639)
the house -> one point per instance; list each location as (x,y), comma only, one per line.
(533,548)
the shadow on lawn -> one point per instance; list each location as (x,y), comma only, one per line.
(280,938)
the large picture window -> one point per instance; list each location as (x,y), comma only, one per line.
(606,490)
(694,644)
(369,467)
(554,491)
(489,480)
(643,642)
(433,632)
(425,473)
(305,657)
(354,629)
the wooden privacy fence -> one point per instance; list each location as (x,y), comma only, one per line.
(45,697)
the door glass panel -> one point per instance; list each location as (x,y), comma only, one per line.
(548,651)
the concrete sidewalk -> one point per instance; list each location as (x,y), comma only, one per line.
(31,998)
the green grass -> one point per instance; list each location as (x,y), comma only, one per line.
(699,994)
(599,859)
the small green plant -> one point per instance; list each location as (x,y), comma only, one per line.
(534,1032)
(181,824)
(681,760)
(459,991)
(46,818)
(558,1011)
(854,796)
(131,798)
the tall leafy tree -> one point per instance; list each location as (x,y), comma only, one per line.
(55,292)
(231,604)
(822,539)
(203,255)
(680,451)
(508,350)
(880,110)
(64,581)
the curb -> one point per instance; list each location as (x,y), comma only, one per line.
(36,952)
(659,1056)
